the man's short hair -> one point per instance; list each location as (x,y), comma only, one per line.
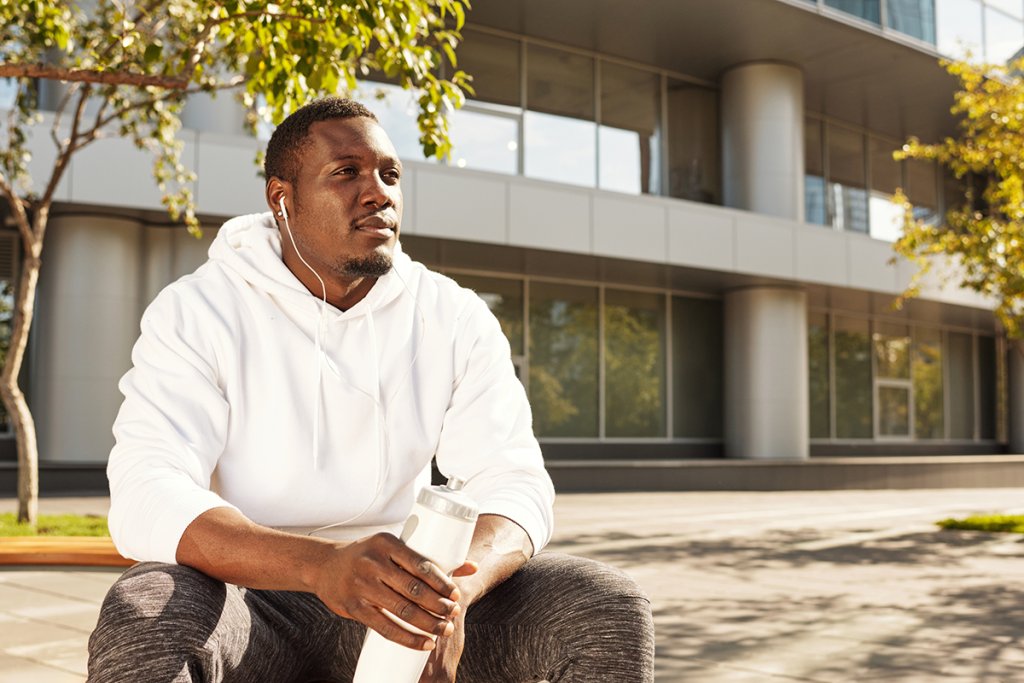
(282,157)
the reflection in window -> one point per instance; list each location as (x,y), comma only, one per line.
(634,357)
(923,190)
(629,136)
(1003,36)
(563,359)
(885,217)
(961,386)
(865,9)
(815,205)
(913,17)
(817,345)
(927,376)
(505,299)
(892,351)
(853,379)
(893,411)
(987,387)
(494,63)
(484,141)
(846,179)
(693,152)
(958,28)
(697,368)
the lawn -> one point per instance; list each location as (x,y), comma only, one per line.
(1005,523)
(55,525)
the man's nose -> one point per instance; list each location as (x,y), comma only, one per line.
(376,192)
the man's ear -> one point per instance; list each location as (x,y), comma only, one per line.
(278,196)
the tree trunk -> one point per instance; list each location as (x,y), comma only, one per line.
(12,395)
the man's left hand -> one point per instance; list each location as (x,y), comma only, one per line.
(444,659)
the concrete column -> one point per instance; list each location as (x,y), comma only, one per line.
(1015,391)
(87,320)
(762,110)
(766,392)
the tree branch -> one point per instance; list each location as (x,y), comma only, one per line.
(18,208)
(65,152)
(92,76)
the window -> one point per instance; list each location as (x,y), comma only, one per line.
(697,368)
(853,379)
(560,133)
(865,9)
(629,132)
(505,299)
(1004,36)
(913,17)
(892,380)
(396,109)
(961,385)
(927,377)
(987,387)
(846,171)
(485,141)
(818,371)
(495,66)
(815,204)
(563,360)
(886,218)
(634,358)
(693,151)
(958,29)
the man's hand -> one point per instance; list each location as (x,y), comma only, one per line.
(444,660)
(380,572)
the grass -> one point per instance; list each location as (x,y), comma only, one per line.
(55,525)
(1004,523)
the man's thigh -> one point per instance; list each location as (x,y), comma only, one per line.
(560,618)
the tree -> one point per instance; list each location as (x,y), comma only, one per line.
(982,237)
(128,67)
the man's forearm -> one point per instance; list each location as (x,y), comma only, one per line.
(223,544)
(499,548)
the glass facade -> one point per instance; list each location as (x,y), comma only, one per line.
(634,362)
(697,368)
(869,10)
(893,381)
(913,17)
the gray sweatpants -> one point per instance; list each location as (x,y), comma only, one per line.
(560,618)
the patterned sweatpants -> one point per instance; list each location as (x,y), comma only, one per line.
(560,618)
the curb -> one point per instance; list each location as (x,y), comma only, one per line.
(87,551)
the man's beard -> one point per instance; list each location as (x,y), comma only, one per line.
(374,265)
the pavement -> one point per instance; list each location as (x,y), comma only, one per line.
(763,586)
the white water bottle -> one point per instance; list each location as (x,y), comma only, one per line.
(440,528)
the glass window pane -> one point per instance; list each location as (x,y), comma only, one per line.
(893,411)
(493,62)
(922,189)
(914,17)
(396,109)
(815,208)
(886,172)
(697,368)
(1003,36)
(892,351)
(961,386)
(563,359)
(560,83)
(1012,7)
(634,356)
(987,386)
(846,171)
(853,379)
(693,150)
(484,141)
(865,9)
(958,28)
(928,406)
(560,149)
(629,133)
(505,299)
(817,344)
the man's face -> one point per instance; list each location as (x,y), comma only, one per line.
(347,201)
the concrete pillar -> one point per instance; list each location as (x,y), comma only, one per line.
(87,319)
(1015,391)
(766,391)
(762,110)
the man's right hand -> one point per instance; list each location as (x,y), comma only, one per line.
(359,579)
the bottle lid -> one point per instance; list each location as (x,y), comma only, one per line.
(450,500)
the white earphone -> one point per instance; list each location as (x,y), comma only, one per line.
(284,211)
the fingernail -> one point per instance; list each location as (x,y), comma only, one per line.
(429,645)
(449,628)
(455,595)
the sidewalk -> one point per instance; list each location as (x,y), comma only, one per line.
(779,586)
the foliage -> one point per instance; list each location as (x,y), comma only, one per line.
(55,525)
(1000,523)
(983,236)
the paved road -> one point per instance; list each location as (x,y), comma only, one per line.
(779,586)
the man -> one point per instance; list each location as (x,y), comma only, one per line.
(285,402)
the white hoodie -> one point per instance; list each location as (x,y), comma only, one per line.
(221,406)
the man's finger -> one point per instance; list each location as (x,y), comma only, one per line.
(386,627)
(466,569)
(426,571)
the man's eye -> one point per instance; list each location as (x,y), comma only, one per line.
(347,170)
(393,174)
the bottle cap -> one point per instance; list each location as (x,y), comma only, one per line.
(450,500)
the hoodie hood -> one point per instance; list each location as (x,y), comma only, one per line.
(251,247)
